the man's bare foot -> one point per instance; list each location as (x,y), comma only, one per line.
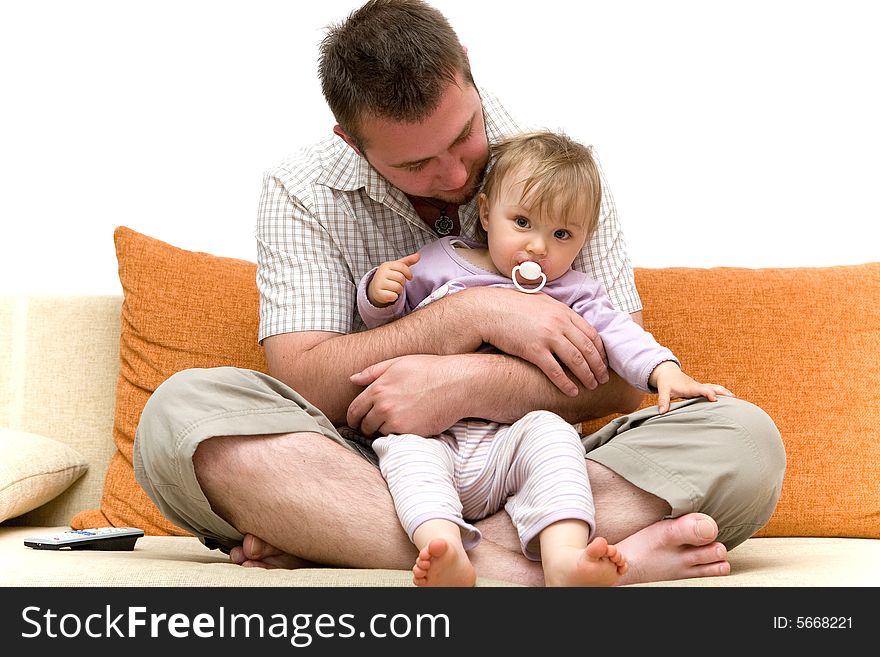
(438,565)
(677,548)
(257,553)
(598,564)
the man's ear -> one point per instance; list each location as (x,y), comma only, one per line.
(347,138)
(484,211)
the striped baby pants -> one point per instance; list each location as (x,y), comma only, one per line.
(534,468)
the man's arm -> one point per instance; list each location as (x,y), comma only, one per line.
(500,373)
(494,387)
(319,364)
(440,390)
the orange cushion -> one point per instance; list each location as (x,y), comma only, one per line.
(801,343)
(804,345)
(181,309)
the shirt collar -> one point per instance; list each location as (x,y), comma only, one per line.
(347,171)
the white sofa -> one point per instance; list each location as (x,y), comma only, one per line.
(59,360)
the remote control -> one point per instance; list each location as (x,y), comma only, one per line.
(102,538)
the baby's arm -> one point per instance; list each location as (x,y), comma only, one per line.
(671,382)
(389,279)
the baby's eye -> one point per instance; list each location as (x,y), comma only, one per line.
(561,234)
(521,222)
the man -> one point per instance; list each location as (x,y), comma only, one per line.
(248,462)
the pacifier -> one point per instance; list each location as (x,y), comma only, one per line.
(530,271)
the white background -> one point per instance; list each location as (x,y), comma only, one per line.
(737,134)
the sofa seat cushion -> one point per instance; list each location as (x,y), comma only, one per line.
(184,561)
(165,561)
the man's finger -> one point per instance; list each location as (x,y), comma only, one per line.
(588,365)
(574,360)
(357,410)
(366,376)
(591,334)
(369,424)
(362,415)
(553,371)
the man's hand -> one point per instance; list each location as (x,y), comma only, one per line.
(545,332)
(671,382)
(409,394)
(388,281)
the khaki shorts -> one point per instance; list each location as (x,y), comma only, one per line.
(722,458)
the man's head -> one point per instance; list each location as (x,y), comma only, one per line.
(398,81)
(541,201)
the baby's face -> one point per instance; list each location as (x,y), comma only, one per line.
(517,234)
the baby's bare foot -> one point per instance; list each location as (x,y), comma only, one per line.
(598,564)
(440,565)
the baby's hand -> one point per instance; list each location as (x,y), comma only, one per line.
(671,382)
(389,279)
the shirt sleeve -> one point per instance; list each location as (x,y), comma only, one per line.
(605,258)
(302,276)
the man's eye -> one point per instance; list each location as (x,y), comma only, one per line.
(415,168)
(464,138)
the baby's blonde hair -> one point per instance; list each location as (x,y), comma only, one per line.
(559,176)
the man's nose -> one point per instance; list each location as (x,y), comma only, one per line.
(455,173)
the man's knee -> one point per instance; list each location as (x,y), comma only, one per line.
(758,457)
(762,443)
(165,406)
(184,410)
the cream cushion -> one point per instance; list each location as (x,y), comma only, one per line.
(34,469)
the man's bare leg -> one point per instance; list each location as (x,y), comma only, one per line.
(369,534)
(286,490)
(286,497)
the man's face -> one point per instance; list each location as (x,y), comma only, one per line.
(444,157)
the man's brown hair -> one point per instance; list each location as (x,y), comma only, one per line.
(390,59)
